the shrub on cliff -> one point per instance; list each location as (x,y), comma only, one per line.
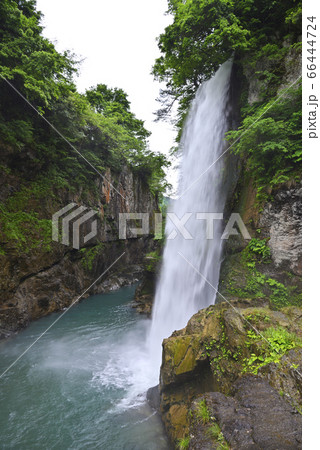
(99,124)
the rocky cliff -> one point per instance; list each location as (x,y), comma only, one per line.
(232,377)
(39,276)
(60,147)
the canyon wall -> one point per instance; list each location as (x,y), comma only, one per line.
(220,371)
(38,279)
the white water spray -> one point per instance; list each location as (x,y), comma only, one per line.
(181,291)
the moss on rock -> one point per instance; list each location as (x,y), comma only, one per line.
(221,344)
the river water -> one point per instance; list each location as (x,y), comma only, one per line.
(83,384)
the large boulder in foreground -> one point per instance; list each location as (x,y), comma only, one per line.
(254,417)
(235,351)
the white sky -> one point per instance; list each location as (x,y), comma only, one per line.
(118,41)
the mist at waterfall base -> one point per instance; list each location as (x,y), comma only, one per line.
(84,383)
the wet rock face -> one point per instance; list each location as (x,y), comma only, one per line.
(57,286)
(282,218)
(37,282)
(291,68)
(153,397)
(145,292)
(212,354)
(277,225)
(254,417)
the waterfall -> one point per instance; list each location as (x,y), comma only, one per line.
(181,291)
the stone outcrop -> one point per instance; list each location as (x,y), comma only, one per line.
(255,416)
(227,349)
(291,66)
(145,292)
(222,365)
(277,223)
(281,221)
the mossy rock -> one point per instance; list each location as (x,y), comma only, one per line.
(253,416)
(180,357)
(216,346)
(177,416)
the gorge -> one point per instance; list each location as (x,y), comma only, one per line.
(217,364)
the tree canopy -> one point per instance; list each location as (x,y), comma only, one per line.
(259,35)
(205,33)
(28,59)
(113,102)
(99,123)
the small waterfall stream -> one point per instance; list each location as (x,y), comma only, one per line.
(181,291)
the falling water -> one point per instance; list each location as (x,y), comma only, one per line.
(84,384)
(181,290)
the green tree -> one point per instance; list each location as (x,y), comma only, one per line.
(114,103)
(28,59)
(99,124)
(205,33)
(33,66)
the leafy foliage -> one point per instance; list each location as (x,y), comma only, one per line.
(279,294)
(98,124)
(273,344)
(28,59)
(202,411)
(258,247)
(114,103)
(205,33)
(183,443)
(255,282)
(214,431)
(271,144)
(152,260)
(22,227)
(25,229)
(89,255)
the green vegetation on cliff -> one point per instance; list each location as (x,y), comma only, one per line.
(37,162)
(268,347)
(205,33)
(269,140)
(263,39)
(246,276)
